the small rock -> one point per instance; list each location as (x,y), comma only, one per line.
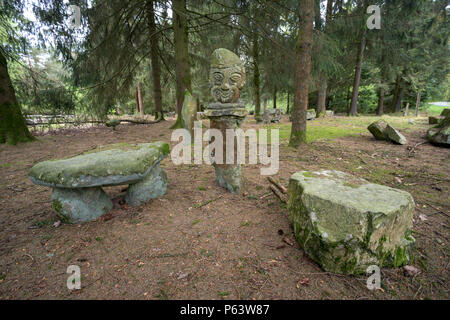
(182,276)
(303,282)
(57,224)
(422,217)
(288,241)
(410,271)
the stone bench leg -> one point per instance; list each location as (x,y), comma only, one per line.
(81,204)
(152,186)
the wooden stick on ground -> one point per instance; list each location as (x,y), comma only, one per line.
(416,145)
(278,193)
(279,186)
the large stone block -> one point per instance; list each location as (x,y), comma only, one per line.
(108,165)
(80,205)
(346,224)
(394,135)
(152,186)
(272,115)
(377,129)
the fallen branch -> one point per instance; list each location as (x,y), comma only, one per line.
(416,145)
(279,186)
(159,117)
(277,193)
(142,121)
(206,202)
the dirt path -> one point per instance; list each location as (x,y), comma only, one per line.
(234,247)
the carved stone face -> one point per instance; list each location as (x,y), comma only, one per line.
(227,76)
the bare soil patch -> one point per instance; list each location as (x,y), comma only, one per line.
(199,241)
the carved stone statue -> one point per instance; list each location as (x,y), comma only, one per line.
(227,78)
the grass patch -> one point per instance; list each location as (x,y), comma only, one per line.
(332,128)
(7,165)
(434,110)
(246,224)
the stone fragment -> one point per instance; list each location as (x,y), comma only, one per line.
(434,119)
(377,129)
(310,114)
(189,113)
(346,224)
(272,115)
(80,205)
(152,186)
(445,113)
(394,135)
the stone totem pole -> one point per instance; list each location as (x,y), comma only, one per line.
(227,78)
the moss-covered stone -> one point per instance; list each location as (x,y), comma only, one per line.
(440,134)
(310,114)
(229,177)
(152,186)
(394,135)
(377,129)
(108,165)
(345,223)
(80,205)
(189,113)
(445,113)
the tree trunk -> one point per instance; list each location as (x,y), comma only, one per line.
(398,102)
(380,102)
(265,104)
(287,108)
(13,128)
(381,91)
(396,93)
(321,95)
(339,6)
(156,67)
(359,60)
(136,96)
(256,77)
(323,81)
(275,98)
(182,64)
(317,17)
(406,110)
(302,74)
(141,103)
(418,102)
(329,13)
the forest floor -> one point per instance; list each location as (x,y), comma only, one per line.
(200,242)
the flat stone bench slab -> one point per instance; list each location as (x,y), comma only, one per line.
(346,224)
(77,181)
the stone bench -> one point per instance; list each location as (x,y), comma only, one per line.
(346,224)
(77,182)
(272,115)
